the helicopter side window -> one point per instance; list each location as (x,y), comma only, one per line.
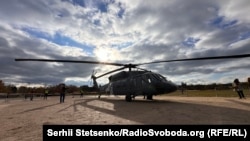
(150,78)
(146,79)
(140,81)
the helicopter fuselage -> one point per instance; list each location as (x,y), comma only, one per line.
(134,83)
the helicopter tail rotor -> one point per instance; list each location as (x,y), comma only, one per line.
(93,74)
(93,78)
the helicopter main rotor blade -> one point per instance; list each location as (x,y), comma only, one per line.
(135,65)
(201,58)
(71,61)
(111,72)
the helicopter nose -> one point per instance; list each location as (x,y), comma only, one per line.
(172,87)
(166,87)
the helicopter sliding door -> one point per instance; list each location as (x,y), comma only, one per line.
(138,86)
(120,87)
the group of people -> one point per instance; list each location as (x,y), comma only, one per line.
(62,93)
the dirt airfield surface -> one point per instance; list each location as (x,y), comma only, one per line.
(24,119)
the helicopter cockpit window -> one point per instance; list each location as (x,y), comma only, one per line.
(159,77)
(155,77)
(149,80)
(162,78)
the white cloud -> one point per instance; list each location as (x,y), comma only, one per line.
(238,10)
(146,31)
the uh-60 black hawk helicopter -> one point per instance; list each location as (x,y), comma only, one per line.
(133,83)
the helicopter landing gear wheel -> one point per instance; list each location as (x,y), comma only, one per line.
(128,98)
(150,97)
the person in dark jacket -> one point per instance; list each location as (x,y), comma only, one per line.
(46,92)
(238,88)
(62,93)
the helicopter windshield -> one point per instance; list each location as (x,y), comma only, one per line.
(159,77)
(155,77)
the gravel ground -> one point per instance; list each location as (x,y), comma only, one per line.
(23,119)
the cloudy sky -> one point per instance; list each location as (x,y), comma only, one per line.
(123,31)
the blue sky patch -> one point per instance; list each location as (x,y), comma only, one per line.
(121,11)
(57,39)
(245,35)
(190,42)
(97,22)
(220,22)
(122,45)
(76,2)
(102,6)
(242,36)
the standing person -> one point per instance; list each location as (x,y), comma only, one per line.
(81,91)
(31,94)
(25,96)
(7,97)
(46,92)
(238,88)
(183,85)
(62,93)
(248,81)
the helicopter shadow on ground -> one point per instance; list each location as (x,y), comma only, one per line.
(65,108)
(239,102)
(38,108)
(166,112)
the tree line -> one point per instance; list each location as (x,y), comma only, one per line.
(226,86)
(212,86)
(72,88)
(24,89)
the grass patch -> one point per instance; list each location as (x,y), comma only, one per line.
(209,93)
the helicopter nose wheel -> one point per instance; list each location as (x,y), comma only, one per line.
(128,98)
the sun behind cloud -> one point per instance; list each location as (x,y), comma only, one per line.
(106,54)
(102,54)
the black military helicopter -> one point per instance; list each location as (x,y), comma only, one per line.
(133,83)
